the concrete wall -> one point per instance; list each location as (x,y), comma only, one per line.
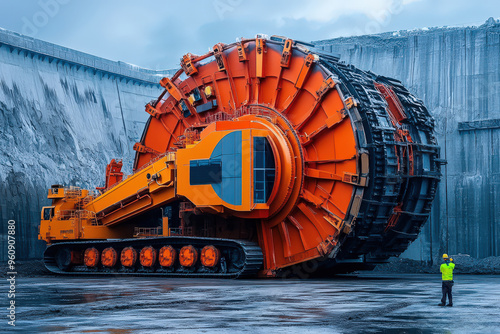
(63,116)
(456,72)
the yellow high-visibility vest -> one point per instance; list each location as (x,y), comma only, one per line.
(447,271)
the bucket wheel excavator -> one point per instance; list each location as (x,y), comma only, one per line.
(262,157)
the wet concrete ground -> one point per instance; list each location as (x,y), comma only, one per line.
(367,303)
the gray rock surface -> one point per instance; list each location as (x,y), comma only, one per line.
(63,116)
(456,72)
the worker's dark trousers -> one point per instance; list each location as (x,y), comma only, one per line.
(447,285)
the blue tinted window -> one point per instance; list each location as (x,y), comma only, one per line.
(263,170)
(207,171)
(228,151)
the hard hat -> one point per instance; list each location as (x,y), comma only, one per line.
(445,256)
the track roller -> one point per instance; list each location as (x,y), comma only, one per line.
(148,257)
(128,257)
(209,256)
(167,256)
(91,257)
(188,256)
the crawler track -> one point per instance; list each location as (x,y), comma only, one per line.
(242,258)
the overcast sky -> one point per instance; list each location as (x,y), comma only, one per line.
(156,33)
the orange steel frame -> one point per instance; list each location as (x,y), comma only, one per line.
(265,89)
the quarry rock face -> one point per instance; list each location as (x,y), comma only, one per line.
(456,72)
(63,116)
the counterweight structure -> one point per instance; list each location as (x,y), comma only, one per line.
(259,157)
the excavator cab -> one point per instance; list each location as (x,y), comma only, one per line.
(228,170)
(47,212)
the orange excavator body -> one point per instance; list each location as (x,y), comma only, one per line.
(114,174)
(265,141)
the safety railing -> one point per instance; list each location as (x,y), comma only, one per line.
(147,231)
(77,216)
(181,231)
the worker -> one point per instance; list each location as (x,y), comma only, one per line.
(447,276)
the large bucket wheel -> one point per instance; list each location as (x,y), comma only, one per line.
(354,139)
